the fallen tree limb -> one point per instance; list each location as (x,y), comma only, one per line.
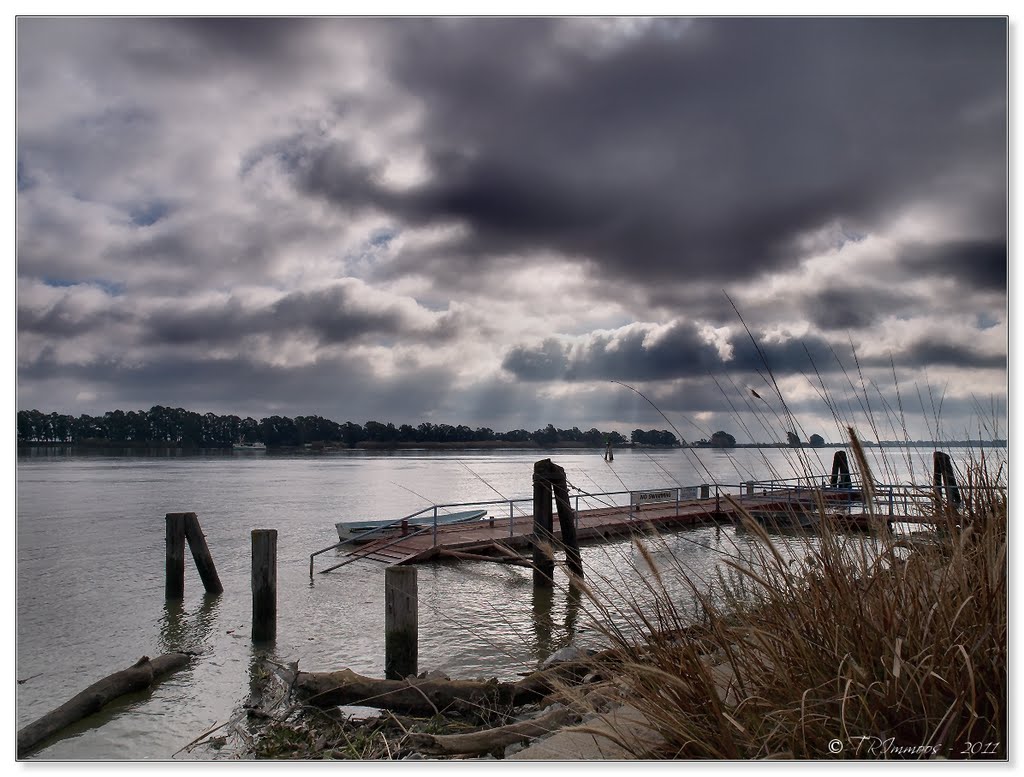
(490,739)
(429,696)
(137,677)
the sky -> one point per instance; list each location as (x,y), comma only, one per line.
(745,224)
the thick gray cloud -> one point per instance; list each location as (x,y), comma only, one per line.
(497,217)
(977,263)
(712,151)
(853,308)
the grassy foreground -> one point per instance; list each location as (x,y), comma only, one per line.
(859,650)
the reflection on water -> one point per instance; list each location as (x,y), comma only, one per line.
(573,602)
(188,632)
(545,602)
(543,624)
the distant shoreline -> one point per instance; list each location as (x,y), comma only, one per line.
(106,445)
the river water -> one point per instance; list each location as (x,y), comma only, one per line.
(90,571)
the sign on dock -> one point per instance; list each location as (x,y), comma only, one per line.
(646,497)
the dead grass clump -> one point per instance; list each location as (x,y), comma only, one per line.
(865,650)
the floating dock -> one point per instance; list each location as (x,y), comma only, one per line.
(498,538)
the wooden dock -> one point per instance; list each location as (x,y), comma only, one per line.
(497,539)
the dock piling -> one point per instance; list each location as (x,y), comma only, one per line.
(543,558)
(566,520)
(182,527)
(201,555)
(840,471)
(174,585)
(401,622)
(264,585)
(549,483)
(945,477)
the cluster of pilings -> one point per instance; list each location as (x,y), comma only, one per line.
(401,616)
(401,623)
(184,527)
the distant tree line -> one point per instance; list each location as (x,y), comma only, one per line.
(653,437)
(175,426)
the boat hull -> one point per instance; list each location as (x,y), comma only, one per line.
(367,531)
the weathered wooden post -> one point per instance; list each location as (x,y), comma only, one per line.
(566,520)
(401,622)
(949,476)
(749,487)
(201,555)
(174,586)
(945,476)
(543,560)
(840,471)
(705,491)
(264,585)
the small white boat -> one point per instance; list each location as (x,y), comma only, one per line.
(365,531)
(249,446)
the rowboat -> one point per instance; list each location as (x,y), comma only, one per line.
(365,531)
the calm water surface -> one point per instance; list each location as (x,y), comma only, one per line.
(90,572)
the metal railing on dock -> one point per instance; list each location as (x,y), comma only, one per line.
(894,501)
(591,500)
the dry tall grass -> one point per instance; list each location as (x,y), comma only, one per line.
(882,649)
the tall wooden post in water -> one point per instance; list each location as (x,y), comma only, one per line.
(264,585)
(543,558)
(566,521)
(201,555)
(549,482)
(174,585)
(944,476)
(401,622)
(840,471)
(182,527)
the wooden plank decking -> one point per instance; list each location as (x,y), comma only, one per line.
(498,535)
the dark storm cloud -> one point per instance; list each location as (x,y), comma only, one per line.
(854,308)
(249,38)
(679,352)
(979,264)
(211,45)
(331,316)
(63,319)
(712,151)
(334,316)
(934,351)
(624,356)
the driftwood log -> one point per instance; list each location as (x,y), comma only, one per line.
(428,696)
(137,677)
(490,739)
